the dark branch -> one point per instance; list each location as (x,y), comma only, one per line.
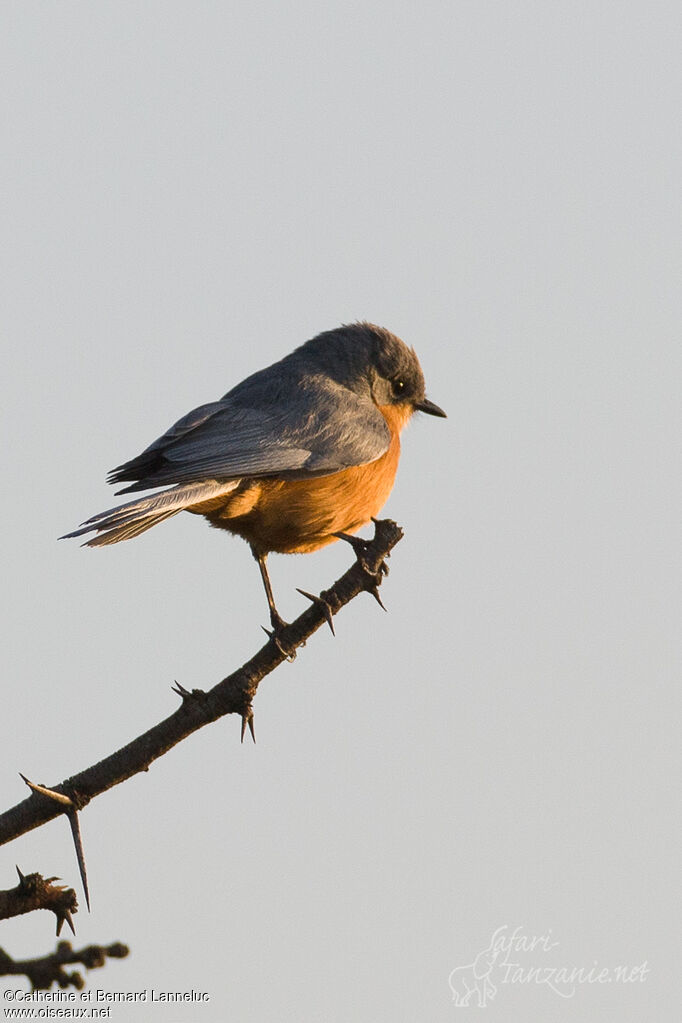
(50,969)
(37,892)
(233,695)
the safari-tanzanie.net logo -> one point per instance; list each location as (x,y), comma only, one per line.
(514,957)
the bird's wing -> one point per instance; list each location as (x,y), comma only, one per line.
(311,429)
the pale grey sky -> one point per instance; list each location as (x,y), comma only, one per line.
(191,190)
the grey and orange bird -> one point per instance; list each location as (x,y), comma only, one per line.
(289,458)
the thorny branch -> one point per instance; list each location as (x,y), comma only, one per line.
(42,973)
(233,695)
(37,892)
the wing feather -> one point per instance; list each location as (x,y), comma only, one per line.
(321,428)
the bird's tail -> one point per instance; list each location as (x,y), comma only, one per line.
(136,517)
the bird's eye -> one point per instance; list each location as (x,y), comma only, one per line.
(397,386)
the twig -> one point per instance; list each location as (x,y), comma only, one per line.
(233,695)
(37,892)
(42,973)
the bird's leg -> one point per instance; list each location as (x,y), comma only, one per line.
(276,620)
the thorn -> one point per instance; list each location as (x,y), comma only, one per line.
(357,543)
(58,797)
(66,915)
(187,694)
(80,856)
(375,593)
(22,878)
(320,602)
(180,690)
(72,813)
(247,719)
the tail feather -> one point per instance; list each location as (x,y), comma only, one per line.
(135,517)
(118,533)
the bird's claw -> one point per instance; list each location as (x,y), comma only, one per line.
(374,577)
(275,635)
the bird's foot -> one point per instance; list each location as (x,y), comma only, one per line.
(374,574)
(275,634)
(323,604)
(361,547)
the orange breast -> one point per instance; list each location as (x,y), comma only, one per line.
(300,515)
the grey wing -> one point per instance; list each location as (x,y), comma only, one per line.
(313,431)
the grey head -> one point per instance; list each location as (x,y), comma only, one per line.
(362,357)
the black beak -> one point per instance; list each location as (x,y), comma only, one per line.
(430,408)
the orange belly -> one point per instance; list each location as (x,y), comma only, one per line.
(298,516)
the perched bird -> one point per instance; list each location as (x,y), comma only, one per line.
(289,459)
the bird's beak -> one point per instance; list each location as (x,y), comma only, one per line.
(430,408)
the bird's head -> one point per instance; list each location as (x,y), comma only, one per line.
(364,357)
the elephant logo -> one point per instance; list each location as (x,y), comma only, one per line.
(474,978)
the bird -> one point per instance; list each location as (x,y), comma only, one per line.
(294,457)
